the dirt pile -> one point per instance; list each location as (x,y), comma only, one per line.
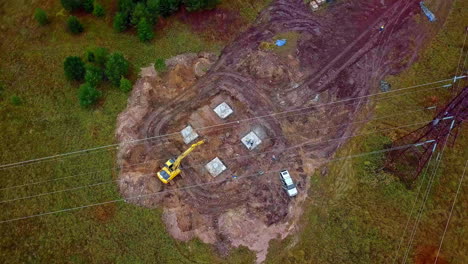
(281,93)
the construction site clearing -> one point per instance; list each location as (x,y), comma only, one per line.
(261,109)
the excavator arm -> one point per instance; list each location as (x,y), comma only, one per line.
(171,168)
(185,154)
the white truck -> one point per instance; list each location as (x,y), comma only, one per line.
(288,184)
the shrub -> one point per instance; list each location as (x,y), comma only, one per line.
(99,10)
(153,10)
(74,25)
(88,95)
(139,13)
(88,6)
(71,5)
(145,32)
(160,65)
(16,100)
(101,56)
(116,67)
(168,7)
(89,55)
(126,7)
(120,23)
(74,68)
(41,17)
(93,75)
(125,85)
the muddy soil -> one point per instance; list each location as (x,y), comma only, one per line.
(339,54)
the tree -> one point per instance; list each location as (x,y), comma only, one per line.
(88,5)
(120,22)
(93,75)
(71,5)
(168,7)
(126,7)
(74,68)
(160,65)
(145,32)
(74,25)
(125,84)
(153,10)
(88,95)
(139,13)
(101,55)
(194,5)
(116,67)
(99,10)
(41,17)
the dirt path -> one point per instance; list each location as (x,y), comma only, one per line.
(339,54)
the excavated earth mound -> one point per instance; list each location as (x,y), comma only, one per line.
(299,99)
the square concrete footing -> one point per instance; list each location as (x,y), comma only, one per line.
(215,167)
(251,140)
(188,134)
(223,110)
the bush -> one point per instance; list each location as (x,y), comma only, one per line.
(41,17)
(139,13)
(101,55)
(116,67)
(16,100)
(71,5)
(125,85)
(74,25)
(88,6)
(88,95)
(126,7)
(93,75)
(160,65)
(168,7)
(153,10)
(145,31)
(74,68)
(120,22)
(99,10)
(97,55)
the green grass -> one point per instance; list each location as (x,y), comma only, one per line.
(357,213)
(49,120)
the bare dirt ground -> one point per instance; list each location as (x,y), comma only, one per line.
(333,54)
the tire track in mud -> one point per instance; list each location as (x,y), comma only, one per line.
(337,56)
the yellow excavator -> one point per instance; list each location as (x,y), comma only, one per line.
(172,167)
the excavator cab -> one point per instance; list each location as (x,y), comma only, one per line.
(172,167)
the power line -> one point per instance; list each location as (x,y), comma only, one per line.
(428,190)
(451,211)
(191,186)
(414,203)
(202,164)
(122,167)
(85,151)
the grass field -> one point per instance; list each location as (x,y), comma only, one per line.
(357,213)
(48,120)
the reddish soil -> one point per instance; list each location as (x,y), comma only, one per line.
(340,54)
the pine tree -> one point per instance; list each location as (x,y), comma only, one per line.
(99,10)
(74,68)
(93,75)
(74,25)
(88,95)
(71,5)
(125,85)
(120,22)
(88,5)
(153,10)
(116,67)
(169,7)
(145,32)
(139,13)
